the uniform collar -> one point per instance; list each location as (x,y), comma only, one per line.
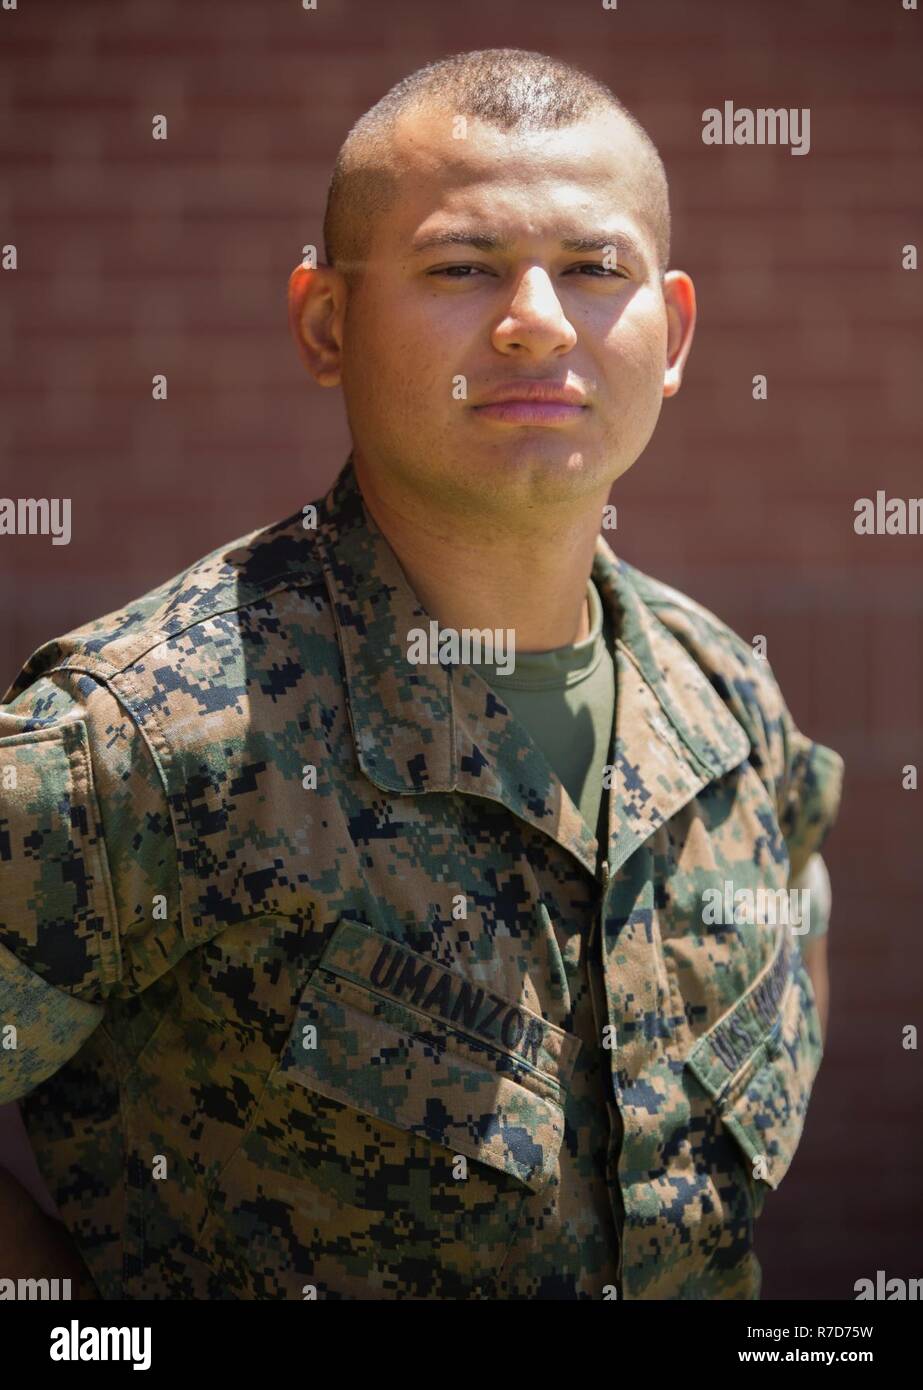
(431,728)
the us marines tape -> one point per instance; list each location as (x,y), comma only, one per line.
(754,1021)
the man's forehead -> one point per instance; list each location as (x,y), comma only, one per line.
(530,178)
(451,147)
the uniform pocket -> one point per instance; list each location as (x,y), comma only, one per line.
(411,1114)
(57,910)
(759,1063)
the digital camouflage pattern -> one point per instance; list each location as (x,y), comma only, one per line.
(261,1050)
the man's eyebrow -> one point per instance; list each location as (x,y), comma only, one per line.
(622,243)
(460,238)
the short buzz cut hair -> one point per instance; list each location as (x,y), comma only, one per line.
(509,88)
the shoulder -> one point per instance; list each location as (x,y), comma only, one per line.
(207,617)
(742,678)
(803,777)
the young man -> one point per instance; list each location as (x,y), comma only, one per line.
(389,901)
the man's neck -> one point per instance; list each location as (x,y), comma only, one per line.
(472,574)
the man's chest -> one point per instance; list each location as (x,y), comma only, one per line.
(434,1021)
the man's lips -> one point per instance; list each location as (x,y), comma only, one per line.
(531,412)
(533,402)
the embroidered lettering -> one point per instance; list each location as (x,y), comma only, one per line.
(535,1035)
(376,976)
(439,995)
(464,1006)
(413,977)
(484,1027)
(513,1023)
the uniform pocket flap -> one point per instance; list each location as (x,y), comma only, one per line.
(57,910)
(760,1060)
(492,1096)
(51,1026)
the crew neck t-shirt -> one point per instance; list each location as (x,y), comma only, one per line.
(565,698)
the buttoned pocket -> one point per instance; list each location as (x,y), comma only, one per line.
(412,1113)
(759,1062)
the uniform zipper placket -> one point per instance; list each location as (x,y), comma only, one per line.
(597,957)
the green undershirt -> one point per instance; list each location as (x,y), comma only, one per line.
(565,698)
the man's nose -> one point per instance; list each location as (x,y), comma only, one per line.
(534,319)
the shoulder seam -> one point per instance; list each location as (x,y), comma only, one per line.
(159,751)
(104,670)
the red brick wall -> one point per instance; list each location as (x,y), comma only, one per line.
(139,256)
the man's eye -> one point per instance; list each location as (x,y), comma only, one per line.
(466,272)
(594,266)
(455,272)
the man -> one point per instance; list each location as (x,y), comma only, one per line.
(389,900)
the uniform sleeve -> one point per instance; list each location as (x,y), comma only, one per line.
(815,878)
(809,794)
(802,778)
(89,900)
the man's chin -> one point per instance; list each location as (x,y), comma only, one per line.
(531,459)
(520,480)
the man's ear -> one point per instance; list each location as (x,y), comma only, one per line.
(679,298)
(316,310)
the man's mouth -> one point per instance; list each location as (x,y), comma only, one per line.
(531,412)
(535,401)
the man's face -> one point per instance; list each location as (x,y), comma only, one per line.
(432,330)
